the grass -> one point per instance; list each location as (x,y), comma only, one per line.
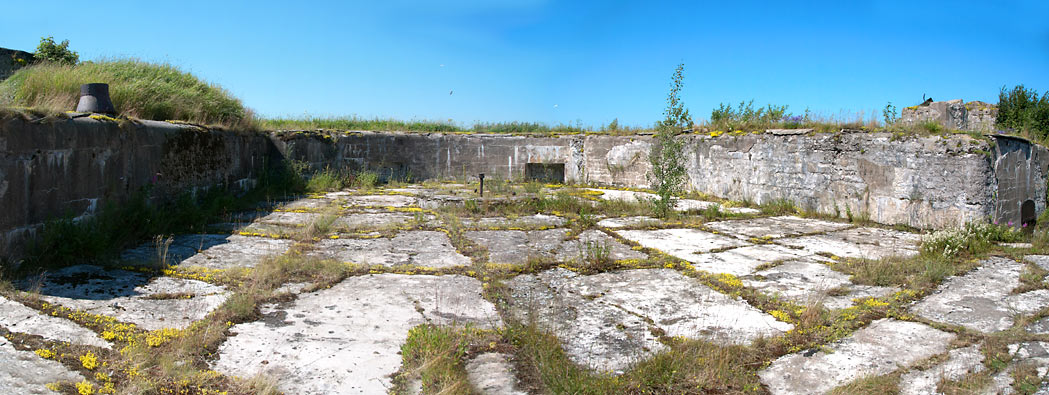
(138,89)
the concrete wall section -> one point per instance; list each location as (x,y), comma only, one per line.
(441,156)
(923,182)
(1020,169)
(72,167)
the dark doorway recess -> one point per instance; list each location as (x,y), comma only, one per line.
(1027,215)
(545,172)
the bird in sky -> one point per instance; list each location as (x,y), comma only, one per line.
(450,92)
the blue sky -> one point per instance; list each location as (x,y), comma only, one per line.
(562,62)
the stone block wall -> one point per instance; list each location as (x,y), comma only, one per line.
(975,116)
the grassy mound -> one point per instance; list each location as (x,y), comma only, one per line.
(138,89)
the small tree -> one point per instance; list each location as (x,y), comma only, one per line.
(667,154)
(1021,109)
(49,51)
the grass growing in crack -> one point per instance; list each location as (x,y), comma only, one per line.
(884,384)
(435,355)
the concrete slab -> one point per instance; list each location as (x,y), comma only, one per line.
(24,372)
(605,321)
(959,363)
(347,339)
(376,221)
(680,205)
(131,296)
(520,223)
(806,281)
(1041,260)
(490,374)
(16,317)
(982,299)
(744,260)
(1040,327)
(239,251)
(628,222)
(880,348)
(686,244)
(181,248)
(868,243)
(289,219)
(307,204)
(419,248)
(517,247)
(775,227)
(1032,353)
(354,201)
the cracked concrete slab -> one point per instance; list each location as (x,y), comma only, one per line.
(959,363)
(872,351)
(687,244)
(744,260)
(526,222)
(131,296)
(606,321)
(867,243)
(238,251)
(680,204)
(628,222)
(490,374)
(775,227)
(1033,353)
(517,247)
(17,317)
(24,372)
(806,281)
(377,221)
(1041,260)
(307,204)
(379,201)
(181,248)
(420,248)
(982,299)
(347,339)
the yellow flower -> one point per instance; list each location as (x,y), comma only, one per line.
(45,353)
(85,388)
(90,362)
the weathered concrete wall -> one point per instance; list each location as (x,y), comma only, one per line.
(11,60)
(1020,169)
(53,168)
(975,116)
(73,166)
(926,182)
(442,156)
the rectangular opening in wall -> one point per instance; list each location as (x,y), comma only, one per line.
(545,172)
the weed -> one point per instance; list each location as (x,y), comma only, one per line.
(885,384)
(779,207)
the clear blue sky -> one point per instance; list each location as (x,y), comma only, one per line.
(562,62)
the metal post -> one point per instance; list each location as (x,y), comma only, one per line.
(481,189)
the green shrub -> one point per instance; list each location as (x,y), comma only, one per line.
(49,51)
(138,89)
(667,155)
(367,179)
(1021,109)
(746,117)
(327,180)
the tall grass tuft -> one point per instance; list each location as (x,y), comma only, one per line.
(139,89)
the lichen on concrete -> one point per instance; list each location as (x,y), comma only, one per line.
(982,299)
(517,247)
(420,248)
(606,321)
(871,351)
(128,296)
(23,372)
(867,243)
(238,251)
(346,339)
(16,317)
(686,244)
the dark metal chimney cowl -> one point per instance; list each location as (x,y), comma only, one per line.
(94,98)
